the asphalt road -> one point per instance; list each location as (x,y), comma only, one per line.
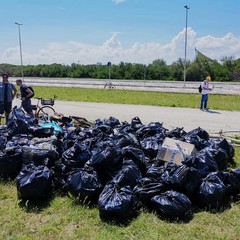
(171,117)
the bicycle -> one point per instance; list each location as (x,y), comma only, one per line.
(43,110)
(109,85)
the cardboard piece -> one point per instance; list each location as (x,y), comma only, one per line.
(175,151)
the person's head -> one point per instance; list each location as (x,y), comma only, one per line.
(208,78)
(5,77)
(19,82)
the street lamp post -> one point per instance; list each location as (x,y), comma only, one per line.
(20,45)
(109,70)
(185,55)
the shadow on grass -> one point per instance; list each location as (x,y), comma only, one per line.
(176,220)
(217,208)
(35,205)
(119,221)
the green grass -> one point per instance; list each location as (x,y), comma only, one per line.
(218,102)
(59,218)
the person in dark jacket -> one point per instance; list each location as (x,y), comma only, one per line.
(26,94)
(8,92)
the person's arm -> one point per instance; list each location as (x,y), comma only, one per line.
(14,91)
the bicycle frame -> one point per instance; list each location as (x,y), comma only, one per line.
(42,111)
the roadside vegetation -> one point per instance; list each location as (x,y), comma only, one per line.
(227,70)
(186,100)
(61,218)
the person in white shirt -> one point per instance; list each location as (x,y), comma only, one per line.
(205,91)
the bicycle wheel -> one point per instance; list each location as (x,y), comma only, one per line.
(45,113)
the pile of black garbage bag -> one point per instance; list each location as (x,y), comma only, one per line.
(115,165)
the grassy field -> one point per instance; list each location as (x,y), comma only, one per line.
(60,218)
(218,102)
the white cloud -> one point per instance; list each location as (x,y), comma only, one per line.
(118,1)
(112,50)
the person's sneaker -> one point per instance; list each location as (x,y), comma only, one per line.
(206,109)
(201,109)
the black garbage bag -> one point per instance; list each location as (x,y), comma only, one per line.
(104,128)
(150,147)
(124,141)
(211,192)
(41,132)
(172,205)
(113,122)
(148,188)
(18,114)
(198,142)
(58,145)
(34,183)
(19,126)
(138,157)
(73,135)
(186,180)
(167,171)
(85,185)
(126,127)
(136,123)
(76,156)
(148,131)
(117,203)
(19,140)
(39,156)
(60,175)
(206,156)
(177,133)
(155,171)
(128,175)
(203,134)
(231,180)
(220,157)
(225,145)
(10,162)
(199,164)
(3,141)
(107,162)
(4,131)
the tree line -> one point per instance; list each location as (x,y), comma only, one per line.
(197,70)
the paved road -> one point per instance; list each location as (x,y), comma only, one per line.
(188,118)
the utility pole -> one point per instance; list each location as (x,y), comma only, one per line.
(185,55)
(20,44)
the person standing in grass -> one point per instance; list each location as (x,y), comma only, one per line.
(26,94)
(8,92)
(205,91)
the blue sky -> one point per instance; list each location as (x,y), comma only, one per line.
(99,31)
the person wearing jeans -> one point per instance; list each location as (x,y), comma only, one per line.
(205,91)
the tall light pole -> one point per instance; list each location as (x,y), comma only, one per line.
(185,55)
(20,45)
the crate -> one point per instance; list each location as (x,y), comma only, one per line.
(47,102)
